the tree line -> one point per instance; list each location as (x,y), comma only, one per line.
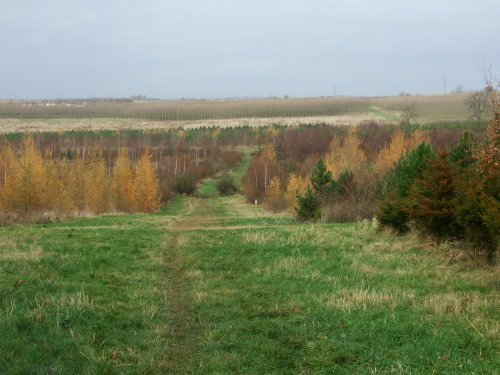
(33,185)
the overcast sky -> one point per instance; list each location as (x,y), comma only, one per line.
(232,48)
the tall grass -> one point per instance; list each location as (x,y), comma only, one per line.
(429,108)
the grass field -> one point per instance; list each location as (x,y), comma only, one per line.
(216,286)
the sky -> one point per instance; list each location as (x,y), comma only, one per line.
(244,48)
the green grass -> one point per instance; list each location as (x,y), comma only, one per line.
(83,297)
(216,286)
(335,299)
(208,188)
(384,114)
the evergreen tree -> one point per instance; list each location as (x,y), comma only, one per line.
(393,211)
(432,198)
(463,154)
(308,206)
(321,181)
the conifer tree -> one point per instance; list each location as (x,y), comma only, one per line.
(8,165)
(25,190)
(96,191)
(432,199)
(308,207)
(147,186)
(123,185)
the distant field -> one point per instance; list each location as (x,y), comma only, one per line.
(24,116)
(96,124)
(429,108)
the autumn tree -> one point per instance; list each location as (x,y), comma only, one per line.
(146,185)
(122,183)
(95,182)
(399,145)
(25,189)
(262,169)
(296,185)
(346,155)
(274,195)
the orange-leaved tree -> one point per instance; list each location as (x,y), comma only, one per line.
(25,189)
(147,185)
(95,184)
(347,155)
(124,195)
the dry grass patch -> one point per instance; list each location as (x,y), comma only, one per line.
(363,299)
(458,303)
(11,250)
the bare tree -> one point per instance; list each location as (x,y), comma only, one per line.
(477,104)
(408,113)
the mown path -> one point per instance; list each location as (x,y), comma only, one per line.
(200,214)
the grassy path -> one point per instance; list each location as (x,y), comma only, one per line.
(217,286)
(269,296)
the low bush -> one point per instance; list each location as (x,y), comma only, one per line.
(226,185)
(185,185)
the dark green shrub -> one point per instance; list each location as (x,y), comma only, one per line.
(432,199)
(226,185)
(394,214)
(394,211)
(185,185)
(308,206)
(477,212)
(408,169)
(463,154)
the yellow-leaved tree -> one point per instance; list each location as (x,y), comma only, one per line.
(123,189)
(8,164)
(274,196)
(296,185)
(95,183)
(25,191)
(58,188)
(146,185)
(347,155)
(397,147)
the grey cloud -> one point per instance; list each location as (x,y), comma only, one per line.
(243,48)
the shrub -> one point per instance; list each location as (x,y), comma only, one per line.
(409,168)
(308,206)
(226,185)
(463,153)
(185,185)
(432,198)
(477,212)
(394,214)
(394,211)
